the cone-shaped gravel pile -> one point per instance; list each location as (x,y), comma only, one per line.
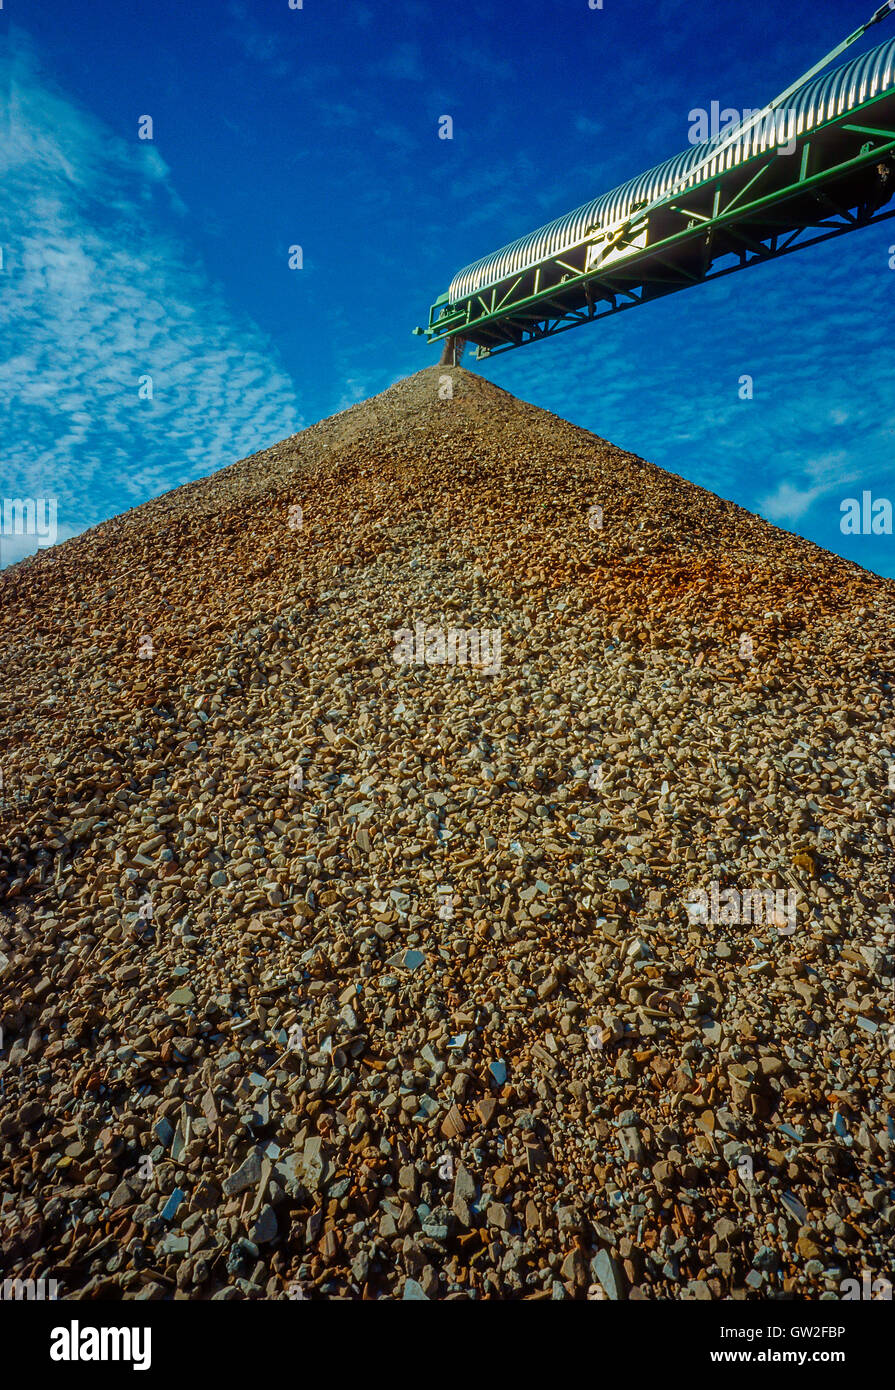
(448,857)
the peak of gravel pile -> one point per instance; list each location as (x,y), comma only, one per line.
(325,975)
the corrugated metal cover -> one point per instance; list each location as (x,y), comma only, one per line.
(826,98)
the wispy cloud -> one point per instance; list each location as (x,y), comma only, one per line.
(823,476)
(14,547)
(258,45)
(403,64)
(101,288)
(788,503)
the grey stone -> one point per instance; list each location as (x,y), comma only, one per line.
(606,1272)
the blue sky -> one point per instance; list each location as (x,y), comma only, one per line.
(273,127)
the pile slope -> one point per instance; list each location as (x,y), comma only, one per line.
(328,975)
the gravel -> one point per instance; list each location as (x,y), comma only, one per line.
(324,974)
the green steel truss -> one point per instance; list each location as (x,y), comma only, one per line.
(839,178)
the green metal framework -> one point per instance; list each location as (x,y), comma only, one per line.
(838,179)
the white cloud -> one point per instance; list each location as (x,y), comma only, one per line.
(14,548)
(101,287)
(403,63)
(823,475)
(258,45)
(789,503)
(830,470)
